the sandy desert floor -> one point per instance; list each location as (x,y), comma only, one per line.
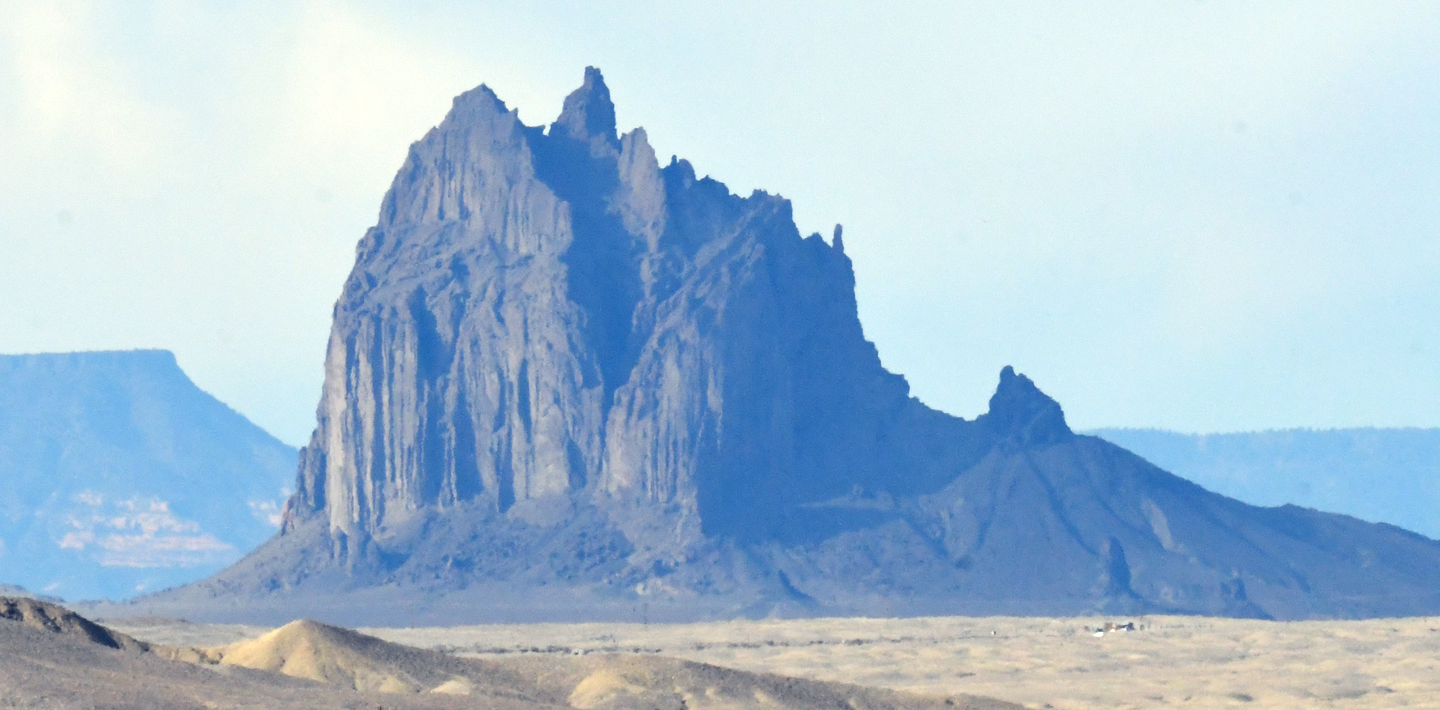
(1168,661)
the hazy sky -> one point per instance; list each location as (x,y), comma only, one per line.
(1204,216)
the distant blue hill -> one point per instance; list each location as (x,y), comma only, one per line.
(119,476)
(1380,475)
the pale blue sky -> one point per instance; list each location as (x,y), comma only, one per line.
(1205,216)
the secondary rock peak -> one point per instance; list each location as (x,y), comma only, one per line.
(588,112)
(481,101)
(1019,411)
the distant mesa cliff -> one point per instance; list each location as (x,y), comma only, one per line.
(565,381)
(118,475)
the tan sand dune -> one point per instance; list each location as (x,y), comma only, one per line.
(53,666)
(328,654)
(306,649)
(52,657)
(613,681)
(336,656)
(1169,661)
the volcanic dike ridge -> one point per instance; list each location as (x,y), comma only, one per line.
(565,382)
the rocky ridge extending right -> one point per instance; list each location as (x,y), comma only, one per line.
(565,382)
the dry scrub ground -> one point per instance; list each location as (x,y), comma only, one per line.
(1169,661)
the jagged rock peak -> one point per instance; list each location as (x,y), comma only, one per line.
(481,99)
(1020,412)
(588,112)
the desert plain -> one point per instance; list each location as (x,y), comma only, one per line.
(1167,661)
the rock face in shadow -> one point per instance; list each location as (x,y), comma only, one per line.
(565,381)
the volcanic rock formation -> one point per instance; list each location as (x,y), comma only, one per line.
(566,382)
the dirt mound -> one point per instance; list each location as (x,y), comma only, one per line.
(622,682)
(56,619)
(319,652)
(50,638)
(315,651)
(41,669)
(328,654)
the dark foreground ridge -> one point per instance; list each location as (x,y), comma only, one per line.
(53,618)
(567,382)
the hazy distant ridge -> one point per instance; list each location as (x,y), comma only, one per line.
(121,476)
(1380,475)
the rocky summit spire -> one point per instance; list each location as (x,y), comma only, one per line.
(1021,413)
(565,382)
(588,112)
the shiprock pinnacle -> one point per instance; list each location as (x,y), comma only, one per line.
(564,382)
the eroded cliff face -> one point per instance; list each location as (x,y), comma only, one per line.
(550,314)
(457,367)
